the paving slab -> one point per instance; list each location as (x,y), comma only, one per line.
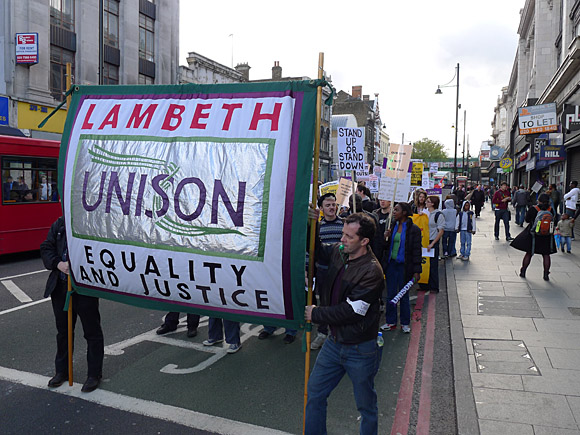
(555,325)
(555,382)
(544,430)
(492,427)
(487,334)
(497,381)
(524,407)
(564,359)
(497,322)
(548,339)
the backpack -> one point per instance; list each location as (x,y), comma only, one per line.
(544,222)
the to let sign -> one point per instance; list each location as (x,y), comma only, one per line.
(537,119)
(27,48)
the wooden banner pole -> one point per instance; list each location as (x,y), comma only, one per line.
(69,284)
(313,223)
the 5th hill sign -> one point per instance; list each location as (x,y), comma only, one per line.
(537,119)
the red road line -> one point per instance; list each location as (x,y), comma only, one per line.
(424,416)
(404,400)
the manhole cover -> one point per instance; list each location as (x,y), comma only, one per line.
(506,357)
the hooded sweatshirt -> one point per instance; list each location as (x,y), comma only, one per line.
(464,217)
(450,214)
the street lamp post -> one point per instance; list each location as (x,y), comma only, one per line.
(457,106)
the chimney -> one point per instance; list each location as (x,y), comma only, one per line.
(244,69)
(365,98)
(276,71)
(357,92)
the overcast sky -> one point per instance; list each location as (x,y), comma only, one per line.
(401,50)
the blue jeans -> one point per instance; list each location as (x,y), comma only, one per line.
(271,329)
(465,238)
(216,330)
(449,238)
(361,363)
(395,281)
(505,216)
(567,240)
(520,214)
(570,212)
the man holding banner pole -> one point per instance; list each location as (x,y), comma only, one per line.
(350,306)
(55,258)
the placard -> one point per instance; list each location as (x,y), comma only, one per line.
(351,148)
(398,160)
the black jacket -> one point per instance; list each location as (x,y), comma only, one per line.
(51,251)
(362,280)
(478,197)
(413,252)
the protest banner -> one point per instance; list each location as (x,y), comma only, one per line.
(350,144)
(362,175)
(417,174)
(373,183)
(378,171)
(425,180)
(438,193)
(422,221)
(343,191)
(387,187)
(329,187)
(191,198)
(398,160)
(433,167)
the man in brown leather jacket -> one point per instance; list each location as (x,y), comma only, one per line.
(350,306)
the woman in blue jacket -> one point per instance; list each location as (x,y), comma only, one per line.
(403,264)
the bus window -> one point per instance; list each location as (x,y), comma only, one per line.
(28,179)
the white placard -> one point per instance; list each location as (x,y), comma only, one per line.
(351,144)
(387,188)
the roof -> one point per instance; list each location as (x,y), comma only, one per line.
(347,120)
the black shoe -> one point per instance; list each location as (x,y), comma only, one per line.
(569,252)
(496,237)
(523,272)
(191,332)
(263,335)
(164,329)
(91,384)
(546,277)
(509,239)
(289,339)
(57,380)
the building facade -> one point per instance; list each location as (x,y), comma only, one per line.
(106,42)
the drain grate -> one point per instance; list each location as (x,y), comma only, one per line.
(515,300)
(506,357)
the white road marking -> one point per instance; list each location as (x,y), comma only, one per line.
(246,331)
(24,274)
(172,414)
(21,307)
(16,291)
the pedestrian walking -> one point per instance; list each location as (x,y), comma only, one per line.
(216,330)
(465,225)
(403,263)
(436,229)
(500,201)
(172,320)
(571,201)
(521,200)
(350,305)
(449,234)
(564,228)
(537,238)
(478,200)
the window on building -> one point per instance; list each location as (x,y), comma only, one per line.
(146,80)
(59,57)
(62,14)
(146,38)
(110,74)
(111,23)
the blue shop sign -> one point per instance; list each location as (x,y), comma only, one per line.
(4,111)
(553,148)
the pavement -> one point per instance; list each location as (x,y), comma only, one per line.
(515,341)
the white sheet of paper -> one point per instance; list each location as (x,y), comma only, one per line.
(426,253)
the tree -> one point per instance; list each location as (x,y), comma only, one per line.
(428,150)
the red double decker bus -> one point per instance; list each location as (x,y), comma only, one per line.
(30,201)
